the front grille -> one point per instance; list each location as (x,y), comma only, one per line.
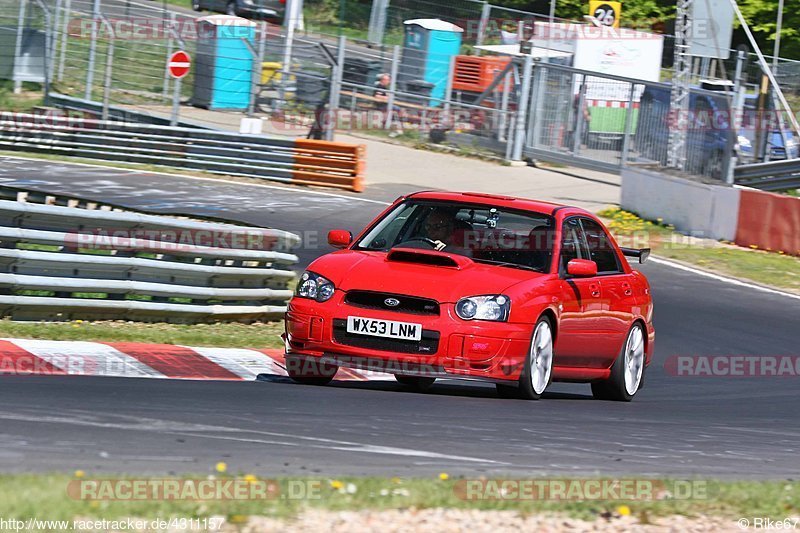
(427,345)
(377,300)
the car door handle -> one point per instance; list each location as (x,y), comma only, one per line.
(594,288)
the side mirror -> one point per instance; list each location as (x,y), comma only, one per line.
(339,238)
(582,268)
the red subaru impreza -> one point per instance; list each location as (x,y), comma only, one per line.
(512,291)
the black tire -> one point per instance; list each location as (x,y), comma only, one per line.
(614,388)
(196,5)
(231,9)
(415,383)
(508,392)
(308,371)
(525,389)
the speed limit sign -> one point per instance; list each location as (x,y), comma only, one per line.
(606,13)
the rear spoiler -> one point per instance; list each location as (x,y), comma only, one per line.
(642,253)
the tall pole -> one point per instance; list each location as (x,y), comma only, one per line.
(778,28)
(293,10)
(18,45)
(64,39)
(679,96)
(522,110)
(92,50)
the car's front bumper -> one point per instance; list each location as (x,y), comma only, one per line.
(492,351)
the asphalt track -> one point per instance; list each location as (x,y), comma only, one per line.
(676,426)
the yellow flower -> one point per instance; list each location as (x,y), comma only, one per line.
(444,476)
(754,247)
(624,510)
(250,478)
(79,474)
(221,467)
(336,484)
(396,480)
(237,519)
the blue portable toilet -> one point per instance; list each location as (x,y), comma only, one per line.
(428,48)
(223,65)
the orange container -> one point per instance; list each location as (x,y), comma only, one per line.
(474,74)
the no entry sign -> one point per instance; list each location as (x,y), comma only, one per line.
(179,64)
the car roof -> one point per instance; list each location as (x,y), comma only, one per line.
(497,200)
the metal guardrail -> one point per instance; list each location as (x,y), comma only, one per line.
(772,176)
(62,262)
(296,161)
(119,114)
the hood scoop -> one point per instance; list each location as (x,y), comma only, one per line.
(426,257)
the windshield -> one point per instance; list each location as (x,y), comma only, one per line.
(512,238)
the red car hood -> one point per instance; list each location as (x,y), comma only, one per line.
(412,274)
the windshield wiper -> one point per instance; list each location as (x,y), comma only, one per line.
(507,264)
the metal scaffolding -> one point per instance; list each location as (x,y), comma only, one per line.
(679,97)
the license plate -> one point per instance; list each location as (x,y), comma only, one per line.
(406,331)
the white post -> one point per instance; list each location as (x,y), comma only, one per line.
(392,85)
(92,50)
(18,46)
(176,103)
(294,9)
(109,70)
(170,49)
(64,40)
(778,28)
(54,37)
(522,110)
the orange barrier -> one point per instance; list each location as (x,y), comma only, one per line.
(769,221)
(328,163)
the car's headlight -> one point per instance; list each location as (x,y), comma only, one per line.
(491,307)
(314,286)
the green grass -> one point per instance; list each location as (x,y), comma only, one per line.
(768,268)
(230,335)
(44,496)
(24,102)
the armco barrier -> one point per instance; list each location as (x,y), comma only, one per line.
(769,221)
(61,262)
(304,162)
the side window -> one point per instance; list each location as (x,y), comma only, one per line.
(601,251)
(572,243)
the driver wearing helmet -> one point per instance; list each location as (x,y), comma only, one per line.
(439,226)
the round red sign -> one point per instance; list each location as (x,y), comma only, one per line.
(179,64)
